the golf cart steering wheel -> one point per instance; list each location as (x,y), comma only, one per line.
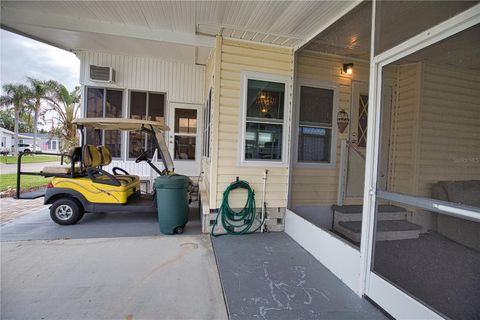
(115,171)
(142,157)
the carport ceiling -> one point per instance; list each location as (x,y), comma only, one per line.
(90,25)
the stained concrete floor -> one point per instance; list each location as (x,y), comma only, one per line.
(39,226)
(114,278)
(269,276)
(114,266)
(108,266)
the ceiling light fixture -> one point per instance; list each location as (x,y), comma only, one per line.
(265,100)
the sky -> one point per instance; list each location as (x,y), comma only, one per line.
(21,57)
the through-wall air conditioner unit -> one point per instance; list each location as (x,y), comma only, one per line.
(102,74)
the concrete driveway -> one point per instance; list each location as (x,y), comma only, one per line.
(114,278)
(107,267)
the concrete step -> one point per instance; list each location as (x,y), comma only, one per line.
(386,230)
(354,213)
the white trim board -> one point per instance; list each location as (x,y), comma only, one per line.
(339,257)
(386,295)
(403,306)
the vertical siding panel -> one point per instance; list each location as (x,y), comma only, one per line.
(184,82)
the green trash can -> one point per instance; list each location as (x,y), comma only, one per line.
(172,202)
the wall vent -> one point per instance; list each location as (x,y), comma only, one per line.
(102,74)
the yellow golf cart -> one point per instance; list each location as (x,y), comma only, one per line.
(84,186)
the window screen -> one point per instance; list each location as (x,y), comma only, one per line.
(146,106)
(315,125)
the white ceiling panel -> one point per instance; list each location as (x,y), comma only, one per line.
(286,23)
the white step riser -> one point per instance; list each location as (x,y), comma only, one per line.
(380,236)
(339,216)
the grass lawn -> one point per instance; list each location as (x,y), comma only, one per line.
(27,182)
(28,159)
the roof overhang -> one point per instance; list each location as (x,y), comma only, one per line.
(80,34)
(183,31)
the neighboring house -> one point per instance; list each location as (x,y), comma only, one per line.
(44,143)
(293,88)
(7,139)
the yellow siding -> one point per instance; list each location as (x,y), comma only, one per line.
(237,56)
(436,131)
(206,163)
(450,122)
(403,145)
(319,186)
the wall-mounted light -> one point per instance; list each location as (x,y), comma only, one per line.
(347,68)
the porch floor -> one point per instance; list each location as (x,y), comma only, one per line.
(437,270)
(269,276)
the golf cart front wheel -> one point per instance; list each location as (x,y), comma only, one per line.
(66,211)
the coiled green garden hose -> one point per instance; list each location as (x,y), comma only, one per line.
(241,222)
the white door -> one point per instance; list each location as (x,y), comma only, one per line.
(358,138)
(185,138)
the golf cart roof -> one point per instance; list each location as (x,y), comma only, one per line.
(118,124)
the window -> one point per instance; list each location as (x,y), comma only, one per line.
(52,144)
(146,106)
(264,118)
(104,103)
(315,116)
(207,124)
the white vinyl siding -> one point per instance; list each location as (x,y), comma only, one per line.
(182,82)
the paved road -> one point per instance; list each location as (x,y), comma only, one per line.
(35,167)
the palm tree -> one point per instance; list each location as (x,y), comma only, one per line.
(16,95)
(66,104)
(37,92)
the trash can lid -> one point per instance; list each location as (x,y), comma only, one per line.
(172,181)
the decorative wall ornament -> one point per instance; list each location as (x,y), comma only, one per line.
(342,120)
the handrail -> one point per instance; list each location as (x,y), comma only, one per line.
(448,208)
(20,172)
(355,148)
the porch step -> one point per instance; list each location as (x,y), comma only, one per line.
(386,230)
(354,213)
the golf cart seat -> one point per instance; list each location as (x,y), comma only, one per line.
(74,154)
(106,159)
(99,186)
